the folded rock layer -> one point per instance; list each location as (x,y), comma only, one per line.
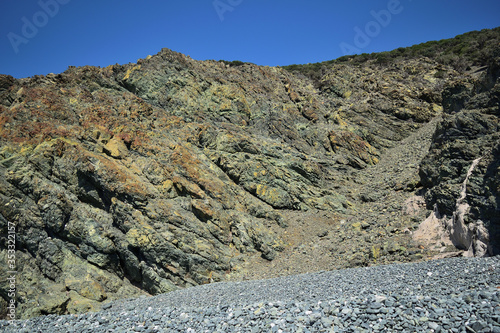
(143,178)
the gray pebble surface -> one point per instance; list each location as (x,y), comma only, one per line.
(448,295)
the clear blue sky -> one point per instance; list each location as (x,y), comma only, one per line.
(40,39)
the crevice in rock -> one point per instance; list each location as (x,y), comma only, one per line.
(469,235)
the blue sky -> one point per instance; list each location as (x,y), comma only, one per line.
(47,36)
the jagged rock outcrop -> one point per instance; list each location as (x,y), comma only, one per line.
(141,178)
(462,169)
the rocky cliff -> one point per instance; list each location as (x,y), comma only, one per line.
(462,169)
(142,178)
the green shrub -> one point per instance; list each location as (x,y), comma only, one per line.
(233,63)
(475,48)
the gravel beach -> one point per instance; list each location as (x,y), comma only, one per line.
(448,295)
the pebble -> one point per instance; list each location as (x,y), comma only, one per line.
(353,300)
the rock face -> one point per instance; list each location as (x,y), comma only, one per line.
(139,179)
(462,169)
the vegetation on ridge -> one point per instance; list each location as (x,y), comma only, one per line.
(475,48)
